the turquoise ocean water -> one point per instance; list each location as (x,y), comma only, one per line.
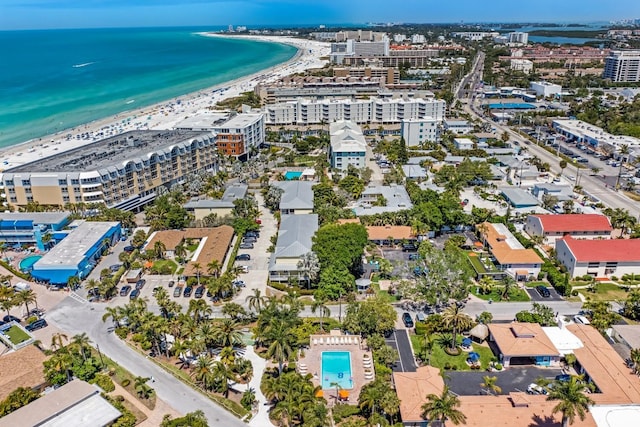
(57,79)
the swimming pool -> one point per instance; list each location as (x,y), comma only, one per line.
(336,368)
(291,175)
(27,263)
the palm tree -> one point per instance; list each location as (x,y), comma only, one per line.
(508,284)
(486,284)
(56,340)
(624,150)
(256,301)
(489,383)
(443,408)
(159,248)
(227,333)
(197,267)
(199,308)
(82,341)
(142,389)
(309,265)
(180,251)
(203,372)
(281,342)
(453,318)
(214,268)
(319,305)
(222,375)
(7,304)
(635,358)
(115,313)
(572,399)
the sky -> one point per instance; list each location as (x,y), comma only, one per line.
(45,14)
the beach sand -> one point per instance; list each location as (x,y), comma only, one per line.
(165,115)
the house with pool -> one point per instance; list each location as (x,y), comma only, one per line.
(78,253)
(33,228)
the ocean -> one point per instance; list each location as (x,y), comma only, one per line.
(53,80)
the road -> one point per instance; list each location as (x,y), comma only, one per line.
(75,317)
(594,185)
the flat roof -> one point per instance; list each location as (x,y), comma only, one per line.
(629,333)
(574,222)
(112,151)
(615,415)
(76,403)
(72,250)
(203,121)
(562,339)
(518,196)
(240,121)
(36,217)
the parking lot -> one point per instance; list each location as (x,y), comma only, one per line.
(535,295)
(399,340)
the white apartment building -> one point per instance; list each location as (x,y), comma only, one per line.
(476,35)
(545,89)
(348,146)
(418,131)
(351,48)
(399,38)
(514,38)
(583,132)
(622,66)
(523,65)
(380,110)
(418,39)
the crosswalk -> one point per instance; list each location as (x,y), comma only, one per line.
(78,298)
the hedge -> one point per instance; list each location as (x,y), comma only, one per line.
(286,288)
(559,280)
(15,272)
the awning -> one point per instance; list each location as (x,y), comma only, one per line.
(522,272)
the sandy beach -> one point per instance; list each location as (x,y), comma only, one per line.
(165,115)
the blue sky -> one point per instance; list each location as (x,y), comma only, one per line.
(27,14)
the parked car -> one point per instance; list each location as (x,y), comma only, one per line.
(244,268)
(413,257)
(420,317)
(407,320)
(543,291)
(409,247)
(239,283)
(243,257)
(249,240)
(563,377)
(187,291)
(581,320)
(171,283)
(199,292)
(9,318)
(38,324)
(252,234)
(177,291)
(129,249)
(246,246)
(115,267)
(125,290)
(140,284)
(134,294)
(534,388)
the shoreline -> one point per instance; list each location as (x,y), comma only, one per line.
(165,114)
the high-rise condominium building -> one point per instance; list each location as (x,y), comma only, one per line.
(622,66)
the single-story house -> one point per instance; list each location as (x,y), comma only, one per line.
(582,226)
(523,344)
(381,234)
(396,197)
(294,240)
(297,197)
(221,207)
(562,339)
(168,238)
(561,192)
(414,172)
(214,245)
(76,403)
(22,368)
(599,258)
(519,198)
(509,253)
(412,389)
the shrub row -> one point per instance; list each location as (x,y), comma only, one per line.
(559,280)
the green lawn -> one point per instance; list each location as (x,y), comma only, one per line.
(536,283)
(383,295)
(475,262)
(439,358)
(162,264)
(16,335)
(605,292)
(515,294)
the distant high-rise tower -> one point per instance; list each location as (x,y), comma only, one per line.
(230,29)
(622,66)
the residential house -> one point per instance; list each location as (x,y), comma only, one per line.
(348,146)
(297,197)
(220,207)
(509,253)
(523,344)
(169,239)
(395,197)
(384,234)
(463,143)
(599,258)
(294,240)
(581,226)
(412,389)
(629,335)
(560,192)
(22,368)
(414,172)
(518,198)
(460,127)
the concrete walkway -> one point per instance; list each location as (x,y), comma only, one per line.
(261,419)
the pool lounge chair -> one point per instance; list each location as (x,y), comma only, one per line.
(321,341)
(315,341)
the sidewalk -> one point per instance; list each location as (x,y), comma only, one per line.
(154,417)
(261,419)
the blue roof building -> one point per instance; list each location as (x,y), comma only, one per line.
(28,228)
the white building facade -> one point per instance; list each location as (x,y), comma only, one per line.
(348,146)
(622,66)
(418,131)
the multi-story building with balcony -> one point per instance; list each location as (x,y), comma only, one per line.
(125,171)
(622,66)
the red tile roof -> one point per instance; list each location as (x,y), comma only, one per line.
(615,250)
(574,222)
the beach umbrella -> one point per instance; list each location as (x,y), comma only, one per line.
(474,357)
(466,342)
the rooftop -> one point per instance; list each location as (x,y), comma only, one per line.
(76,403)
(505,247)
(614,250)
(240,121)
(169,238)
(203,121)
(36,217)
(414,171)
(115,151)
(72,250)
(519,197)
(295,235)
(383,232)
(215,246)
(629,333)
(21,368)
(231,193)
(522,339)
(617,384)
(296,195)
(574,222)
(562,339)
(396,196)
(412,389)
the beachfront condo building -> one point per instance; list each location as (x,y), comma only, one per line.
(126,171)
(348,146)
(622,66)
(375,110)
(236,135)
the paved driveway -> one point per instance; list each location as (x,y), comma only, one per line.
(511,379)
(400,341)
(535,296)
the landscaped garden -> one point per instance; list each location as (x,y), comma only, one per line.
(440,359)
(604,292)
(16,335)
(481,263)
(164,266)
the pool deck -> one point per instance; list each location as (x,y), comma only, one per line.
(312,360)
